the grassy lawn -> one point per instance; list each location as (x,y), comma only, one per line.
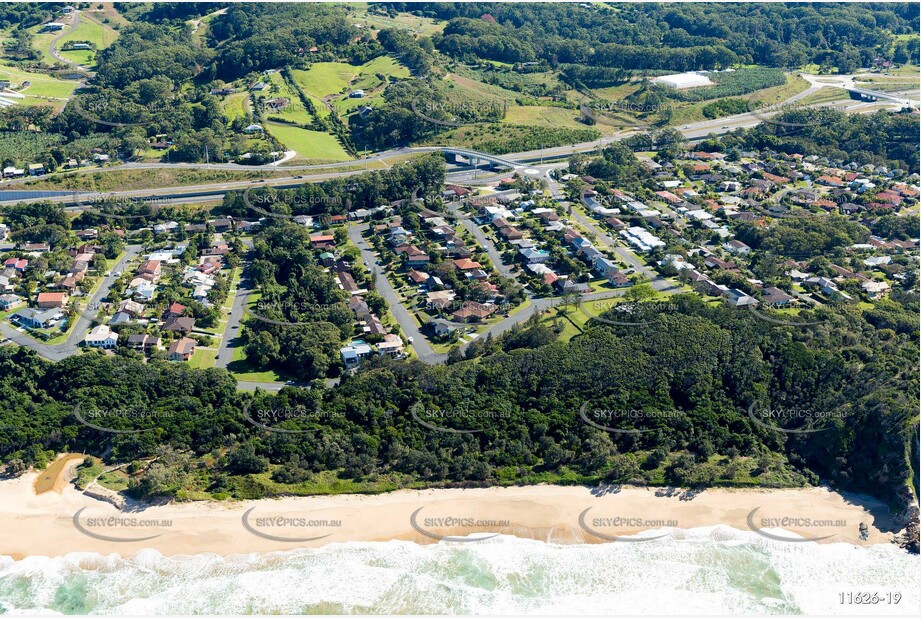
(313,146)
(570,329)
(294,111)
(234,105)
(693,112)
(203,358)
(42,85)
(88,30)
(825,95)
(539,116)
(418,25)
(240,369)
(326,78)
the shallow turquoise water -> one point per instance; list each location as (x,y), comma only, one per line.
(707,570)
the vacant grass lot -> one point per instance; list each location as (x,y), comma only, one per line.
(234,105)
(326,78)
(684,113)
(311,146)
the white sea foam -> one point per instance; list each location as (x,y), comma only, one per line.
(712,570)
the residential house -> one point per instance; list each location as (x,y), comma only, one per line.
(182,325)
(737,247)
(143,342)
(175,310)
(101,337)
(150,270)
(775,296)
(534,256)
(604,266)
(473,312)
(392,345)
(181,350)
(10,301)
(875,289)
(36,318)
(52,300)
(353,354)
(465,264)
(323,241)
(18,264)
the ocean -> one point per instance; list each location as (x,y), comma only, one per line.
(714,570)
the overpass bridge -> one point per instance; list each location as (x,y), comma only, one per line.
(874,95)
(472,157)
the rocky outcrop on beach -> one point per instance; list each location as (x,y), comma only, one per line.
(908,539)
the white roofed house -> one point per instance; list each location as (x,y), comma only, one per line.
(102,337)
(352,354)
(875,289)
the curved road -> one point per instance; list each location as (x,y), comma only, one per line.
(70,347)
(53,49)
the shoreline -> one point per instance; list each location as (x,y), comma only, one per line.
(66,520)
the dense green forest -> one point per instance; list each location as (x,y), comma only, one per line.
(880,138)
(689,376)
(673,36)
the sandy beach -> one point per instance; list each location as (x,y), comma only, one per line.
(65,520)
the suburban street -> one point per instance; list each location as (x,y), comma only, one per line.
(232,328)
(70,347)
(484,242)
(406,321)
